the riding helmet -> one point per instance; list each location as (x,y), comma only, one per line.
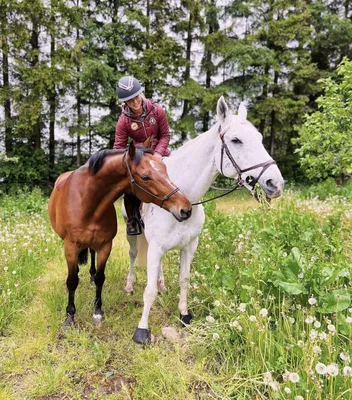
(128,87)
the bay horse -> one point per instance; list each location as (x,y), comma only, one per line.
(81,209)
(232,147)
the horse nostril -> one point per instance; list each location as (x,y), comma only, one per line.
(270,185)
(185,214)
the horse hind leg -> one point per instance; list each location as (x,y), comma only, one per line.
(186,257)
(92,270)
(72,281)
(133,251)
(99,279)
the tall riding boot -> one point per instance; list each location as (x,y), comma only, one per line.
(134,224)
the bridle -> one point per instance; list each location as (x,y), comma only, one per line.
(250,180)
(133,181)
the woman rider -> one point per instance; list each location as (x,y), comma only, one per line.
(141,118)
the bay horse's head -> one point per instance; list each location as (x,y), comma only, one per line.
(151,183)
(240,152)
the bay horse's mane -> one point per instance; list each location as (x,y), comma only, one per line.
(96,161)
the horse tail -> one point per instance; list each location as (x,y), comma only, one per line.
(83,257)
(142,246)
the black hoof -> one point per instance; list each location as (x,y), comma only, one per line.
(69,321)
(186,319)
(142,336)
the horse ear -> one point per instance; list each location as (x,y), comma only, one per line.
(222,110)
(148,142)
(131,150)
(242,111)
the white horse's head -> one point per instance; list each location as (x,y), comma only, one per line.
(240,152)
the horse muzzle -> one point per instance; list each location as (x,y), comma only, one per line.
(183,215)
(273,188)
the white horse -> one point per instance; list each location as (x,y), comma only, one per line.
(232,147)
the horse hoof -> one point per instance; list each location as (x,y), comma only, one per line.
(142,336)
(163,291)
(98,319)
(69,321)
(129,292)
(92,281)
(186,319)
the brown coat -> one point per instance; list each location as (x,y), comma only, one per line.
(153,121)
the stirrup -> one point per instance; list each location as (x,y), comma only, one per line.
(134,227)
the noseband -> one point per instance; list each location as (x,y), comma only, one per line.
(133,181)
(250,180)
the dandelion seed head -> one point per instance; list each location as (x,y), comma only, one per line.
(293,377)
(312,301)
(332,369)
(321,368)
(344,356)
(263,312)
(317,324)
(242,307)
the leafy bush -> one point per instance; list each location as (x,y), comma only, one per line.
(272,294)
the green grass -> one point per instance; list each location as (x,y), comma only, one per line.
(247,254)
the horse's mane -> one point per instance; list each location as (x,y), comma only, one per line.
(96,161)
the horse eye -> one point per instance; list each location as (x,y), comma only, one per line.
(146,178)
(236,140)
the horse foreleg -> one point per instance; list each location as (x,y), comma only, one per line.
(71,255)
(99,278)
(92,269)
(142,333)
(132,240)
(186,257)
(161,280)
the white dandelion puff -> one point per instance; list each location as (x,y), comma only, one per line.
(321,368)
(293,377)
(309,320)
(332,369)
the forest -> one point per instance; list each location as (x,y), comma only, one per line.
(61,60)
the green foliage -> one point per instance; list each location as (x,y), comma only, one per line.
(25,168)
(325,138)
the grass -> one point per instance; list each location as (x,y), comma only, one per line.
(253,321)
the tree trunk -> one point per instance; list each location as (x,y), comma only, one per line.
(52,103)
(273,117)
(264,95)
(187,73)
(7,100)
(34,40)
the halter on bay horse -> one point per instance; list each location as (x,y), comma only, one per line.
(81,209)
(232,147)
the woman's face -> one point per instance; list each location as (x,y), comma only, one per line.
(135,104)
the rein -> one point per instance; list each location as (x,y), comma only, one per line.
(133,181)
(250,180)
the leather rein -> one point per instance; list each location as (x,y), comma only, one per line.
(250,180)
(133,181)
